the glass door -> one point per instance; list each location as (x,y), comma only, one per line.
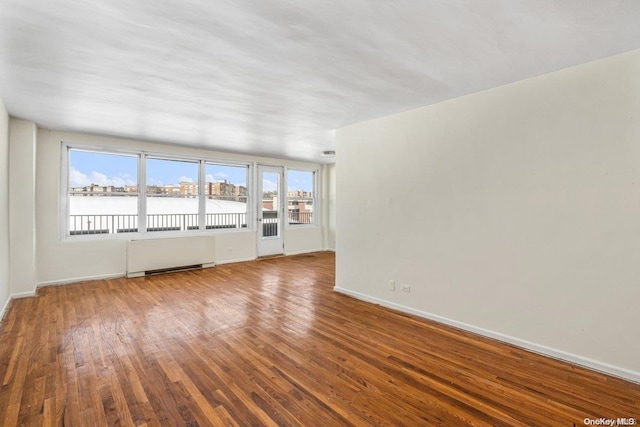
(270,211)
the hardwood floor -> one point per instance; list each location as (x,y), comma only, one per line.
(269,343)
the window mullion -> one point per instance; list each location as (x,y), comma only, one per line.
(65,227)
(315,200)
(202,199)
(142,193)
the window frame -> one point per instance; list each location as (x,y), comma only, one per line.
(142,155)
(146,157)
(249,166)
(316,200)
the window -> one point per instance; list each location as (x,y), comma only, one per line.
(226,196)
(301,197)
(102,192)
(172,195)
(117,193)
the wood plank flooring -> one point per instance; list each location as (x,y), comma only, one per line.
(269,343)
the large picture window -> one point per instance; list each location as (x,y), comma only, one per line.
(226,196)
(301,197)
(102,192)
(115,193)
(172,195)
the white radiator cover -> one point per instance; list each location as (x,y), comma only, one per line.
(157,254)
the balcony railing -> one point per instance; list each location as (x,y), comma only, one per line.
(125,223)
(296,217)
(119,223)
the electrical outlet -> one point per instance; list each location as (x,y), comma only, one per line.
(405,288)
(392,285)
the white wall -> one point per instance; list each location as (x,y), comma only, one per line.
(514,212)
(22,175)
(331,202)
(5,292)
(60,260)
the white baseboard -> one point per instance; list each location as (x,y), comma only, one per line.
(11,298)
(134,275)
(23,295)
(79,279)
(3,311)
(596,365)
(307,251)
(232,261)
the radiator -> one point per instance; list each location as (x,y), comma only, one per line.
(154,255)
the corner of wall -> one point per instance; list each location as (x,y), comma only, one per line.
(5,292)
(586,362)
(520,218)
(22,200)
(329,207)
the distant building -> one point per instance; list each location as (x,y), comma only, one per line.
(270,204)
(154,190)
(300,194)
(96,190)
(188,188)
(300,206)
(221,190)
(170,190)
(224,190)
(240,192)
(164,190)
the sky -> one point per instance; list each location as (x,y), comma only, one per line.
(119,170)
(300,180)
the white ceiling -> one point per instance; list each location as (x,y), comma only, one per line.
(278,77)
